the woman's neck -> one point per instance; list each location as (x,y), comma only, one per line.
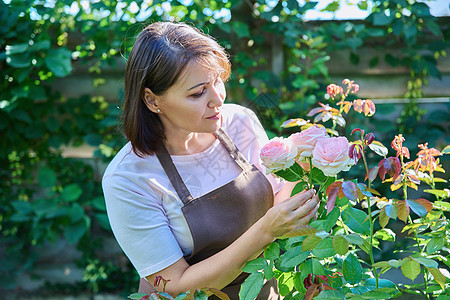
(188,143)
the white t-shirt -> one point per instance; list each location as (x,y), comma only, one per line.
(143,207)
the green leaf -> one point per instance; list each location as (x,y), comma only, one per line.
(340,245)
(421,9)
(371,283)
(324,249)
(17,48)
(317,176)
(440,193)
(352,269)
(59,61)
(272,252)
(330,294)
(241,29)
(73,232)
(356,220)
(311,242)
(93,139)
(435,244)
(354,238)
(312,266)
(381,19)
(137,296)
(446,150)
(255,265)
(293,257)
(292,174)
(381,293)
(427,262)
(332,219)
(46,177)
(200,295)
(410,268)
(251,287)
(268,271)
(71,192)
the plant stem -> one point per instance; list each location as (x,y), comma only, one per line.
(311,185)
(405,197)
(369,209)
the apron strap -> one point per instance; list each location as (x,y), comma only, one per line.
(175,178)
(232,149)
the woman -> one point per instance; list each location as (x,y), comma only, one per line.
(187,198)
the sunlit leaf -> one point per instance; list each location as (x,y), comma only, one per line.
(383,218)
(438,276)
(446,150)
(310,242)
(427,262)
(294,123)
(391,211)
(420,206)
(410,268)
(435,244)
(350,190)
(301,230)
(403,210)
(378,148)
(340,245)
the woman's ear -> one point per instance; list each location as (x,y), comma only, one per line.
(151,100)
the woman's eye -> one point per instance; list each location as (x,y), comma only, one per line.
(199,94)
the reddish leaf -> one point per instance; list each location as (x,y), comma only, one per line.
(369,108)
(383,218)
(369,138)
(331,199)
(350,190)
(403,210)
(357,129)
(372,174)
(336,184)
(427,204)
(311,292)
(390,166)
(314,111)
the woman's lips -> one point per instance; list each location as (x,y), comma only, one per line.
(216,116)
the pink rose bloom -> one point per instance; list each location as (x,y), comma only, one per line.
(331,155)
(278,154)
(307,139)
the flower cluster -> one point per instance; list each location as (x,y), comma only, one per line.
(313,145)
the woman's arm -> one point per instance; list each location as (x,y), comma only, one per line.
(222,268)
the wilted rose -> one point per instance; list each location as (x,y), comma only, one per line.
(305,140)
(278,154)
(331,155)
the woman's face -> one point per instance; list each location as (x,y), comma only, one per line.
(194,102)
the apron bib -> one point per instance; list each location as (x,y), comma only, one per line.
(219,217)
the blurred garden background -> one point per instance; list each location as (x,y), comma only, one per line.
(62,65)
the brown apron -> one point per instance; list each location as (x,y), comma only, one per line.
(219,217)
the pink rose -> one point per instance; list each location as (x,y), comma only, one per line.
(307,139)
(331,155)
(278,154)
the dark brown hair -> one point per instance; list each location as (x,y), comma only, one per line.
(160,54)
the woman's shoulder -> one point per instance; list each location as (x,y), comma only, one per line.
(126,162)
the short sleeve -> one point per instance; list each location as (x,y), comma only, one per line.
(140,225)
(247,132)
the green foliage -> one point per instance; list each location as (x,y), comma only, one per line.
(46,196)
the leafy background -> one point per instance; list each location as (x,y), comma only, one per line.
(62,62)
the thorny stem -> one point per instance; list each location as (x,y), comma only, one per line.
(405,197)
(375,273)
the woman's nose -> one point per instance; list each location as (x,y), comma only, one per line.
(217,96)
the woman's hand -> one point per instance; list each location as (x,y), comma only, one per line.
(291,213)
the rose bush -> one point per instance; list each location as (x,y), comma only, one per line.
(333,256)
